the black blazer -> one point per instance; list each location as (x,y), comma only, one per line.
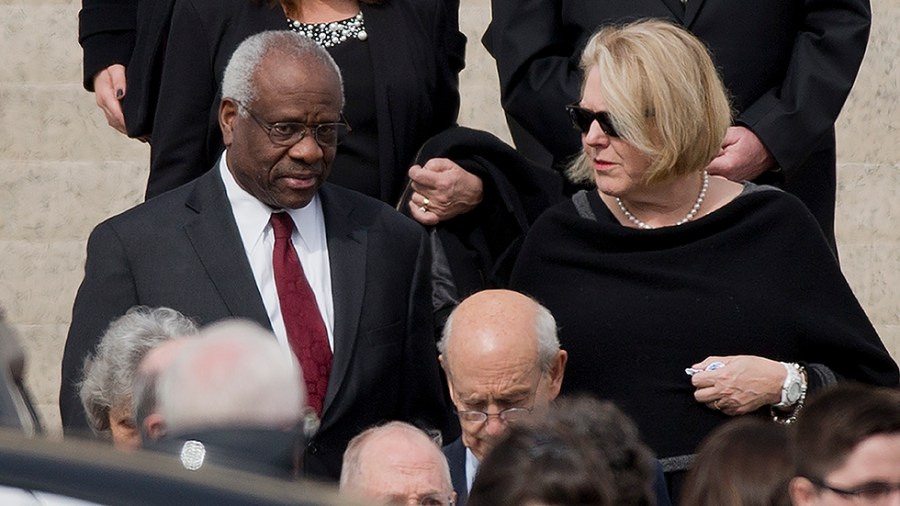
(417,53)
(183,250)
(788,65)
(455,453)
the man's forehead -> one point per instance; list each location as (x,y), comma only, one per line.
(401,452)
(279,72)
(478,342)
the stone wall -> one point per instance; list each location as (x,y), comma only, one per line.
(64,170)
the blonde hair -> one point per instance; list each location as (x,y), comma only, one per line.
(663,93)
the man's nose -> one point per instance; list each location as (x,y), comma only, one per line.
(306,149)
(494,426)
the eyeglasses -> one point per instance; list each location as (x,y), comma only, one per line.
(582,119)
(873,493)
(508,415)
(425,500)
(288,133)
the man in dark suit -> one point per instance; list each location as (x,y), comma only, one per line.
(502,359)
(788,65)
(210,249)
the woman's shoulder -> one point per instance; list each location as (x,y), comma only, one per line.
(772,199)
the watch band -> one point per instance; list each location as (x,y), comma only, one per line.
(793,380)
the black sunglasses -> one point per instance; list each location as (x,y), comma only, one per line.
(582,119)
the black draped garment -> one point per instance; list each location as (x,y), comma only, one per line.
(636,307)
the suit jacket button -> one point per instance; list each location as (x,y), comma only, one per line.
(313,449)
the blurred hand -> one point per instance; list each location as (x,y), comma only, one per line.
(109,90)
(743,156)
(442,190)
(745,384)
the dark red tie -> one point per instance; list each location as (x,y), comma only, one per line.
(302,320)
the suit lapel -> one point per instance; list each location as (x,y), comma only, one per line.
(691,9)
(676,7)
(216,240)
(347,245)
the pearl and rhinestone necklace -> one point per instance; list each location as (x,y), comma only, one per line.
(690,216)
(334,33)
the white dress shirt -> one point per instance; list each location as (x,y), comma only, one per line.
(471,469)
(252,218)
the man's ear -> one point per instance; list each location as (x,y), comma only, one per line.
(446,369)
(228,112)
(556,373)
(802,491)
(154,426)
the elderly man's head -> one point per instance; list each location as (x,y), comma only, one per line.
(396,463)
(107,386)
(502,358)
(281,117)
(235,375)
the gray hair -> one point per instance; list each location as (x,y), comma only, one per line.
(238,82)
(108,377)
(235,375)
(544,328)
(351,469)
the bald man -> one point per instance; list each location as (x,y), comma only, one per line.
(396,463)
(502,359)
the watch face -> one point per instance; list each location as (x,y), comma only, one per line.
(793,392)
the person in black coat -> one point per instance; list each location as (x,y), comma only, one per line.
(123,44)
(788,67)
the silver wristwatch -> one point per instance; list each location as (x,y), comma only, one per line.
(794,386)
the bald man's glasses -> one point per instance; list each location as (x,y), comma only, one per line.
(288,133)
(424,500)
(508,415)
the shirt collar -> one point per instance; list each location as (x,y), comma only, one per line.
(252,216)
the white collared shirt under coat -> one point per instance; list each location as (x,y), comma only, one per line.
(309,239)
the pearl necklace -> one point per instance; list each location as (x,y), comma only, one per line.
(690,216)
(334,33)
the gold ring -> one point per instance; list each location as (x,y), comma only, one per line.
(425,202)
(716,404)
(423,209)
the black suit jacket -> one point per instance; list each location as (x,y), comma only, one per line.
(416,49)
(183,250)
(455,453)
(788,65)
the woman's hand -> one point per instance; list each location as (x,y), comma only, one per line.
(745,384)
(109,90)
(442,190)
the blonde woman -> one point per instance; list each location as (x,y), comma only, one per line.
(684,297)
